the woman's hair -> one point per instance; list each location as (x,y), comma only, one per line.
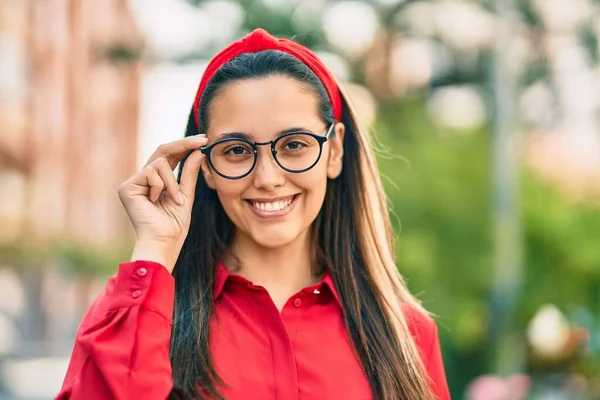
(352,238)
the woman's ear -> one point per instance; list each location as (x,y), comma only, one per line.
(336,152)
(208,173)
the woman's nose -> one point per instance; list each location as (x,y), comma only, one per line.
(267,173)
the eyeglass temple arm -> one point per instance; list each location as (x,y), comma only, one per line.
(330,130)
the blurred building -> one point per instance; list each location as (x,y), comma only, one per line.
(70,75)
(69,88)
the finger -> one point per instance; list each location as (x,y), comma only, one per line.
(154,182)
(165,172)
(189,174)
(175,151)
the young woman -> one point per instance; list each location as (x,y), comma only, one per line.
(266,271)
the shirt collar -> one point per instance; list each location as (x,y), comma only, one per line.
(222,275)
(327,282)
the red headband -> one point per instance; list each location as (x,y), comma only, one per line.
(259,40)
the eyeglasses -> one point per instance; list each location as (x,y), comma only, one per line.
(296,152)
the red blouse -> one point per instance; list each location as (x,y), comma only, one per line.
(122,346)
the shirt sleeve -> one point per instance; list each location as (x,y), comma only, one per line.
(121,349)
(434,364)
(425,332)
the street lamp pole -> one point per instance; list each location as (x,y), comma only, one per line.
(508,253)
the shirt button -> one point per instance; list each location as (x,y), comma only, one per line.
(136,293)
(297,303)
(142,271)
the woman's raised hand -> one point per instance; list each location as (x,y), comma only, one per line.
(160,208)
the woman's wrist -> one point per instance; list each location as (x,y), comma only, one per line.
(164,253)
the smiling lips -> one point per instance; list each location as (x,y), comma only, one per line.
(277,206)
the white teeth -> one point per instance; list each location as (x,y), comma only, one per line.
(273,206)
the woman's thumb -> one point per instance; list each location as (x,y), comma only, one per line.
(189,174)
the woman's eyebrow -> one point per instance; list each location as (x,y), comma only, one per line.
(294,129)
(235,135)
(246,136)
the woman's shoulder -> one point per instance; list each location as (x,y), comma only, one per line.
(421,326)
(425,332)
(416,315)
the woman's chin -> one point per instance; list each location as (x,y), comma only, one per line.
(274,239)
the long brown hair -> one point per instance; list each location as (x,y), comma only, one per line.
(352,237)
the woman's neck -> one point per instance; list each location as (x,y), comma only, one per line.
(281,271)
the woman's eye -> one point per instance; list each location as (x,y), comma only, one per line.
(293,145)
(237,150)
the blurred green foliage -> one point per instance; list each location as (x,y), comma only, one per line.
(440,196)
(439,187)
(75,259)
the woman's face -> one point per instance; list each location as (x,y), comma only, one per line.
(271,206)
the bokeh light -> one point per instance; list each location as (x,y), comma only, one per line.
(350,26)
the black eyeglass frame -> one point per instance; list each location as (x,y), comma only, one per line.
(321,139)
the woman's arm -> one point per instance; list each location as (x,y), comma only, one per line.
(425,331)
(121,349)
(435,365)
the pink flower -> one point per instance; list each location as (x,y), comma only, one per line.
(492,387)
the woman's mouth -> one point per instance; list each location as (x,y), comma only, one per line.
(272,207)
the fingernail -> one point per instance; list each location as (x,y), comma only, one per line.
(180,198)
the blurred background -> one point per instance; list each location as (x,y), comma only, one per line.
(486,120)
